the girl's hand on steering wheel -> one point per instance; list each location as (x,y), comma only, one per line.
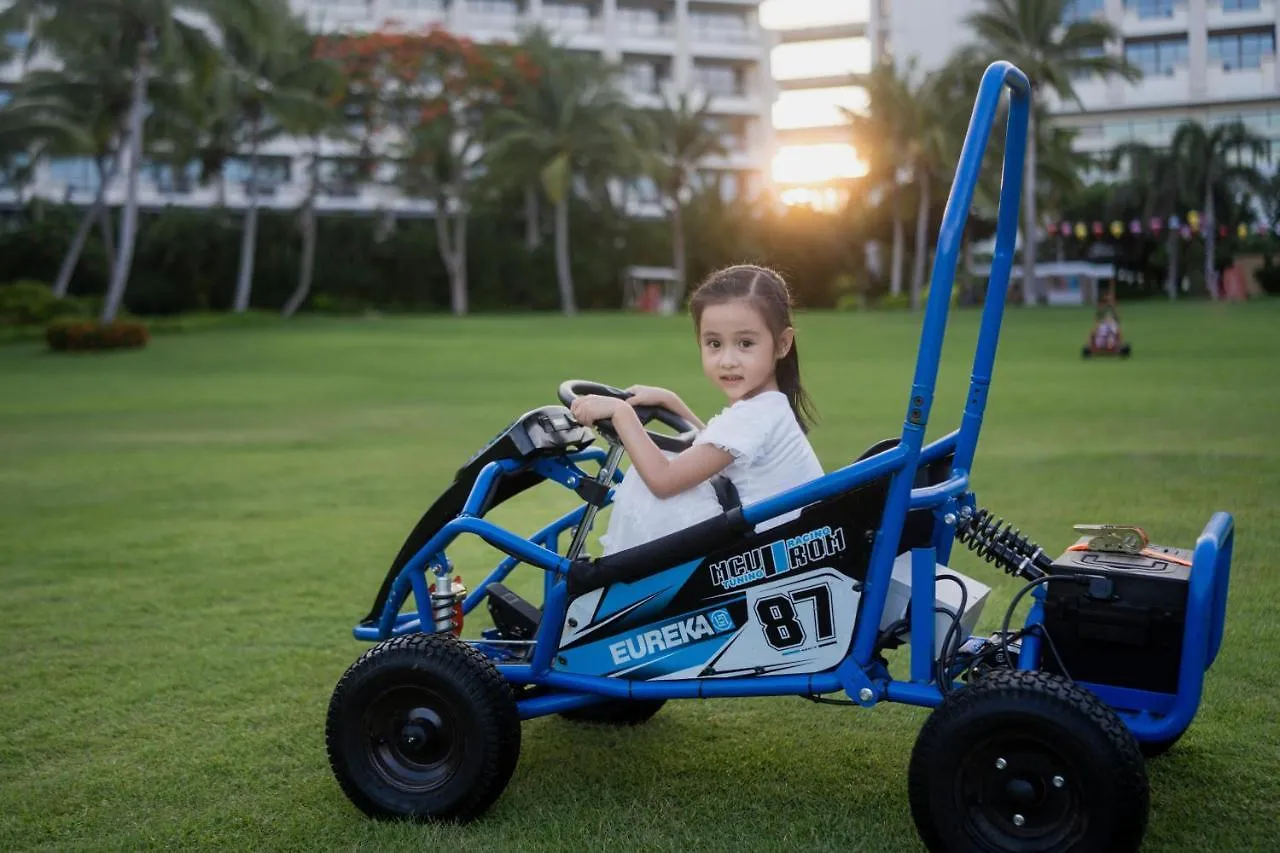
(649,395)
(590,408)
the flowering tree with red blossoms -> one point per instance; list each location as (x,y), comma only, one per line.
(422,101)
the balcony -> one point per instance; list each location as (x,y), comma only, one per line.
(638,35)
(338,15)
(1220,18)
(1155,90)
(1243,83)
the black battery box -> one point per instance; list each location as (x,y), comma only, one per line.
(1133,637)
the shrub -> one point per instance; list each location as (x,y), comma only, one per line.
(1268,278)
(92,335)
(32,303)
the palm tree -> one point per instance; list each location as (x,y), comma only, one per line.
(47,120)
(883,135)
(94,94)
(569,128)
(147,35)
(1213,162)
(271,76)
(1031,35)
(1152,186)
(684,138)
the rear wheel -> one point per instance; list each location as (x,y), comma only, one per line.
(616,712)
(1027,762)
(423,727)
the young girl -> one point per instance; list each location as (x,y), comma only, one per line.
(742,318)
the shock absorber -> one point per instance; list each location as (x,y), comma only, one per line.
(990,538)
(446,604)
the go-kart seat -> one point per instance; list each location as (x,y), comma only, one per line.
(865,505)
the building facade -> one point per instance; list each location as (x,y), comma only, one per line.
(664,47)
(1209,60)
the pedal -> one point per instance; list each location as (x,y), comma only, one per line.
(1112,538)
(515,618)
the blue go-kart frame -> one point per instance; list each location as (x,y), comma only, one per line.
(862,675)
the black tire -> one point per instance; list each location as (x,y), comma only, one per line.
(1027,762)
(423,727)
(616,712)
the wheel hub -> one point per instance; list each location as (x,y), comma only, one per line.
(413,739)
(1017,795)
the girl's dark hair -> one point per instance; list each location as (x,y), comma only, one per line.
(768,294)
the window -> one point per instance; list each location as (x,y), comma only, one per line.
(1088,52)
(418,5)
(169,179)
(641,77)
(1153,8)
(641,22)
(498,8)
(1239,51)
(719,79)
(1158,57)
(1082,10)
(719,27)
(77,173)
(271,171)
(1241,5)
(831,58)
(570,16)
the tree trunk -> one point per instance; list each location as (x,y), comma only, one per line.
(307,266)
(532,227)
(922,243)
(1171,275)
(108,237)
(453,248)
(129,215)
(564,275)
(679,252)
(1030,287)
(899,244)
(97,213)
(1210,242)
(249,238)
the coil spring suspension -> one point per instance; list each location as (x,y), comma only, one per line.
(446,604)
(990,538)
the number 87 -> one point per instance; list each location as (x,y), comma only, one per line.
(777,615)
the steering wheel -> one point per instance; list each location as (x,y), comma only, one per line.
(572,389)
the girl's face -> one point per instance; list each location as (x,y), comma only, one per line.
(738,351)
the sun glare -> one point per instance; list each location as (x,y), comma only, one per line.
(816,164)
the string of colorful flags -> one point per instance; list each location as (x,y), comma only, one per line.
(1156,225)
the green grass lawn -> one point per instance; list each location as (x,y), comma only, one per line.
(190,532)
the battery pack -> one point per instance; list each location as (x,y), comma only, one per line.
(1133,638)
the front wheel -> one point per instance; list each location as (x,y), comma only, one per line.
(423,727)
(1028,762)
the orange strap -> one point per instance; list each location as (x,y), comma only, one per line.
(1145,552)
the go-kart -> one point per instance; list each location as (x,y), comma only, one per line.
(1037,735)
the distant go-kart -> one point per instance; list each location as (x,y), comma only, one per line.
(1037,734)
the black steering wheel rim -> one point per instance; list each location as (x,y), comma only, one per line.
(572,389)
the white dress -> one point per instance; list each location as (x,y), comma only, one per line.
(770,455)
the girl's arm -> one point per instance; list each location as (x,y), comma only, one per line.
(666,477)
(647,395)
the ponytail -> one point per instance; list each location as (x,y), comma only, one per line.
(788,374)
